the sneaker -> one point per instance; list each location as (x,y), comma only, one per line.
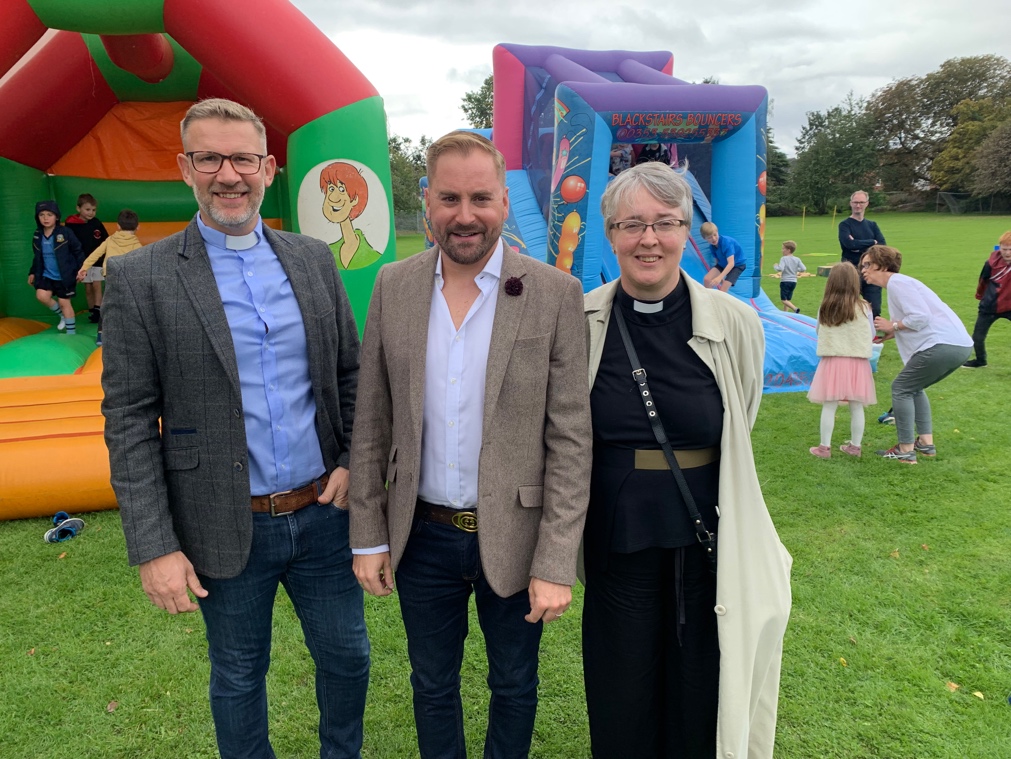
(887,418)
(821,451)
(906,457)
(98,340)
(65,530)
(975,363)
(93,316)
(62,325)
(796,310)
(852,450)
(924,449)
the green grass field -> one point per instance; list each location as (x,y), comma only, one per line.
(902,588)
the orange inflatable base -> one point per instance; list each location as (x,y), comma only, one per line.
(52,451)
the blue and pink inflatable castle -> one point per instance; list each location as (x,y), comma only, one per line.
(557,113)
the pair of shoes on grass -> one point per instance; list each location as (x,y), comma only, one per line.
(974,364)
(825,451)
(64,528)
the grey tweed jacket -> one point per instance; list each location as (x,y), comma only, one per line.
(168,355)
(534,467)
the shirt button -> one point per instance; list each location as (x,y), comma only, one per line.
(451,423)
(278,428)
(236,412)
(262,309)
(284,466)
(451,465)
(249,273)
(452,380)
(456,339)
(270,387)
(237,466)
(720,609)
(455,502)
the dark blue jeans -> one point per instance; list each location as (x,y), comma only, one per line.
(308,552)
(440,568)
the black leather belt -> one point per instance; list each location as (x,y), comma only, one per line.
(461,520)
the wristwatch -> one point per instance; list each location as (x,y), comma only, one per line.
(895,326)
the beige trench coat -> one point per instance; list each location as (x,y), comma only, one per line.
(753,575)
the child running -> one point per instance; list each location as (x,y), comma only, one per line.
(845,334)
(791,266)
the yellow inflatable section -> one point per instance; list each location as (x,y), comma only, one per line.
(51,440)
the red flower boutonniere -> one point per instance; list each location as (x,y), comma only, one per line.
(514,286)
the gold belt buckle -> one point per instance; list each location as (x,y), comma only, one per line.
(466,521)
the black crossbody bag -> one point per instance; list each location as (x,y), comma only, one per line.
(706,538)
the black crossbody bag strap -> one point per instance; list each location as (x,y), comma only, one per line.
(705,537)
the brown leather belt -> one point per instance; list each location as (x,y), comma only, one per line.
(287,501)
(461,520)
(687,459)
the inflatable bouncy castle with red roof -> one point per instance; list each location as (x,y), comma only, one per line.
(91,96)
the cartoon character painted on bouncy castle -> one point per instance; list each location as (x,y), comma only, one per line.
(345,195)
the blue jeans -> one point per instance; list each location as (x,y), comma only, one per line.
(440,568)
(308,552)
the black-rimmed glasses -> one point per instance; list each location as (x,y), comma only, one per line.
(209,162)
(661,228)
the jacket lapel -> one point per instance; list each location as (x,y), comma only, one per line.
(508,315)
(198,280)
(415,306)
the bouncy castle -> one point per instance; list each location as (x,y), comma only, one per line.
(558,113)
(91,96)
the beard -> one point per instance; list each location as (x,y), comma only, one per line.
(230,218)
(472,250)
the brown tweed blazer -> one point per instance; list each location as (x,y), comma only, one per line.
(534,470)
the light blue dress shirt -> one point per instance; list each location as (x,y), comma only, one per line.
(269,338)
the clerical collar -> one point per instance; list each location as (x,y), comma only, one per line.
(679,292)
(230,242)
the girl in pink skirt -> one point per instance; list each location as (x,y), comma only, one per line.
(845,334)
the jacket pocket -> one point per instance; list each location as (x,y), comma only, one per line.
(531,496)
(181,458)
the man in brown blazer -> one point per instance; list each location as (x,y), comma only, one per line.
(470,464)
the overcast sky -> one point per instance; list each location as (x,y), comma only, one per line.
(424,56)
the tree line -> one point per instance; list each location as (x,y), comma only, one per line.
(948,130)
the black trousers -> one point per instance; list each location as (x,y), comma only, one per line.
(983,323)
(651,655)
(871,294)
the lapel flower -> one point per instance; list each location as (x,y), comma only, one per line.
(514,286)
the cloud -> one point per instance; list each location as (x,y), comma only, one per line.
(808,53)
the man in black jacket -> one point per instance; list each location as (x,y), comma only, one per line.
(856,235)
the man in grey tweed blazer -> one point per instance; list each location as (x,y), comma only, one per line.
(231,364)
(470,468)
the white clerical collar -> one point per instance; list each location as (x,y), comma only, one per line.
(647,308)
(230,242)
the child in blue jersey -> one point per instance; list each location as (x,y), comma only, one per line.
(55,262)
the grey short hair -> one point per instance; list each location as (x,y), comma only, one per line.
(661,181)
(225,110)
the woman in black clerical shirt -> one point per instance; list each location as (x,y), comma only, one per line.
(657,640)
